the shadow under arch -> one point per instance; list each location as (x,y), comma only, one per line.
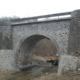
(27,44)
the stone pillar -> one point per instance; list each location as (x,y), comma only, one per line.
(66,63)
(74,34)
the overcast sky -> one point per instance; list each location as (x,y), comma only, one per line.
(24,8)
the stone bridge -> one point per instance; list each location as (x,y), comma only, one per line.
(19,36)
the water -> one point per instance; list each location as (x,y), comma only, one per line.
(31,72)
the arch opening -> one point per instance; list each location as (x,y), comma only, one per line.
(34,50)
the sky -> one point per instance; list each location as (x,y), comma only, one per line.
(29,8)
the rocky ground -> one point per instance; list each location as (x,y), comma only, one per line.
(70,75)
(49,74)
(5,74)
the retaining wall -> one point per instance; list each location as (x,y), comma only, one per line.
(7,60)
(67,62)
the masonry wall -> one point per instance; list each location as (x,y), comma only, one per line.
(5,35)
(7,55)
(66,63)
(59,31)
(7,60)
(74,35)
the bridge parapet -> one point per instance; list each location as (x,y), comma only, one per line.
(59,16)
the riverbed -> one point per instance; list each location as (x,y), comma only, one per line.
(29,73)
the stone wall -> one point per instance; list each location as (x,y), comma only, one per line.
(58,31)
(67,63)
(5,35)
(74,35)
(28,35)
(7,60)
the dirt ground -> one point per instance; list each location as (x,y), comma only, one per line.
(66,76)
(48,75)
(70,75)
(58,78)
(5,74)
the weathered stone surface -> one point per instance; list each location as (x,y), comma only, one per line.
(74,32)
(76,14)
(5,37)
(7,60)
(26,36)
(66,63)
(65,34)
(5,22)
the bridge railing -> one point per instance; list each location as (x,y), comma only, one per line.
(42,18)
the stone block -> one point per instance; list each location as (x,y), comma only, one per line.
(76,14)
(66,63)
(8,60)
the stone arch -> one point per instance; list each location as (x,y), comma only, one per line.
(33,37)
